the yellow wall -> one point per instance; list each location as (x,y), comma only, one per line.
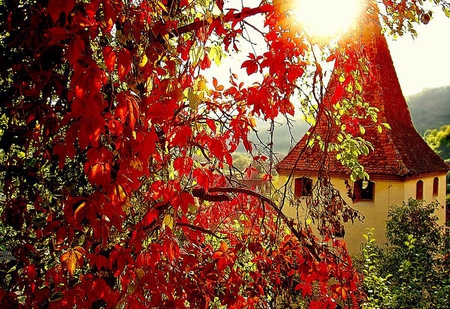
(428,191)
(387,192)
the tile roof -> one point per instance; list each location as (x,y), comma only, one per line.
(399,151)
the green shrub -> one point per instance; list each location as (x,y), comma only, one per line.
(411,270)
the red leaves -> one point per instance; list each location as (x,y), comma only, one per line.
(252,64)
(179,136)
(183,201)
(135,153)
(102,230)
(110,9)
(351,124)
(150,217)
(337,95)
(87,82)
(123,63)
(305,288)
(56,7)
(170,249)
(203,177)
(109,56)
(97,259)
(98,166)
(183,165)
(216,85)
(75,50)
(127,109)
(57,34)
(339,291)
(87,130)
(118,192)
(224,257)
(98,289)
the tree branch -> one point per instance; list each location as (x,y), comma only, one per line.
(201,229)
(246,12)
(289,222)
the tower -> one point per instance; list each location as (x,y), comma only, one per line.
(401,164)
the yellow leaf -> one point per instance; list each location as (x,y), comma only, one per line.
(162,6)
(252,122)
(144,61)
(193,100)
(362,129)
(137,164)
(168,221)
(216,54)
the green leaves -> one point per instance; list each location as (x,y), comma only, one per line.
(412,272)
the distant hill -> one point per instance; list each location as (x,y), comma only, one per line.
(430,109)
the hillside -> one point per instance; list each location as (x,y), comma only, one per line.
(430,109)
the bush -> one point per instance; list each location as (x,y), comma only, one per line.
(411,270)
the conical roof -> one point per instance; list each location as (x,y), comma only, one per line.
(399,151)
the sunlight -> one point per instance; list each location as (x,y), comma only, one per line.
(327,18)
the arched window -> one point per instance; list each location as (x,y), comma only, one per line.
(303,186)
(363,190)
(435,186)
(419,190)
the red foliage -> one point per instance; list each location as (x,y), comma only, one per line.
(115,187)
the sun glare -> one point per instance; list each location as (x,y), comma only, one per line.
(327,18)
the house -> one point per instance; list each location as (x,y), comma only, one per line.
(401,164)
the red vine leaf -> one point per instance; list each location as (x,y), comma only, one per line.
(56,7)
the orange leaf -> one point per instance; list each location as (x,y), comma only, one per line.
(222,263)
(339,291)
(98,166)
(117,193)
(73,259)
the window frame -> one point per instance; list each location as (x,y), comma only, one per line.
(435,186)
(419,190)
(363,194)
(303,186)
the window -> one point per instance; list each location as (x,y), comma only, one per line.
(340,233)
(419,190)
(303,187)
(363,190)
(435,186)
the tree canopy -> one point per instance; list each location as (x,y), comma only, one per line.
(116,155)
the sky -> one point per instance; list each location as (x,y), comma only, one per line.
(421,63)
(424,62)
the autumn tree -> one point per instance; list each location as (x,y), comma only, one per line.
(116,156)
